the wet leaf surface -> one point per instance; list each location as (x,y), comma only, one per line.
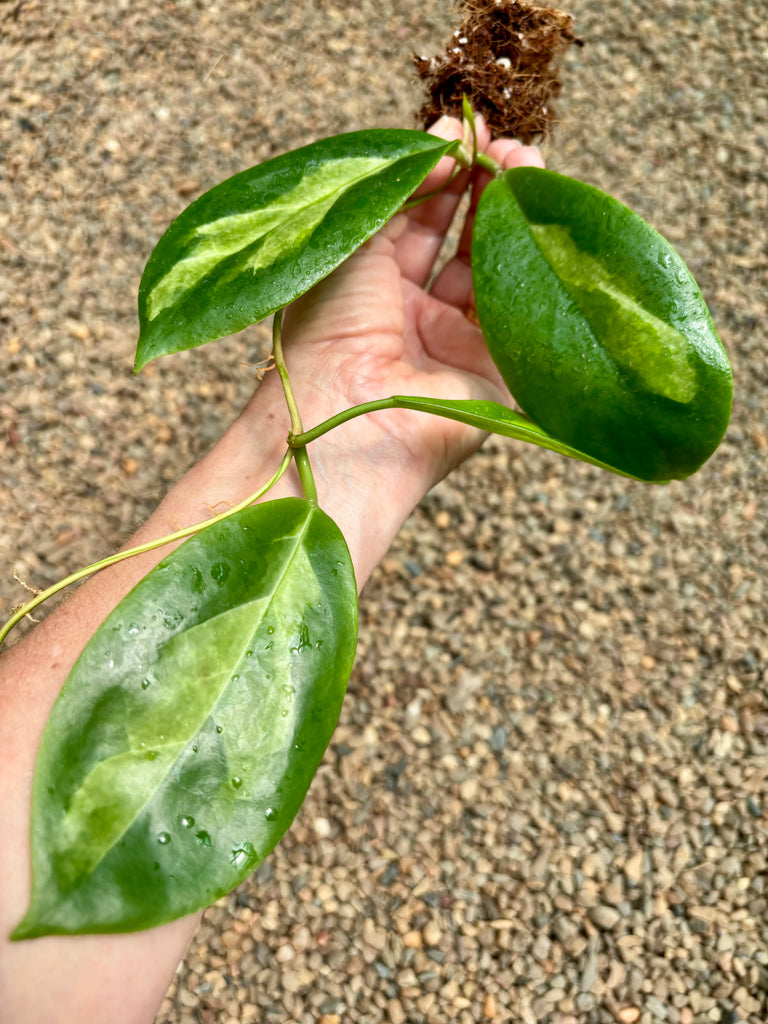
(188,732)
(597,326)
(257,241)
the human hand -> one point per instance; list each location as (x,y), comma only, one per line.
(370,330)
(377,327)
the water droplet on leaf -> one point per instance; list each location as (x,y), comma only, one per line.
(219,728)
(203,838)
(145,683)
(237,781)
(270,814)
(164,838)
(243,855)
(187,821)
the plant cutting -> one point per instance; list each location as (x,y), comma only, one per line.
(190,728)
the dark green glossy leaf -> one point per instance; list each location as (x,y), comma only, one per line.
(257,241)
(497,419)
(188,732)
(597,326)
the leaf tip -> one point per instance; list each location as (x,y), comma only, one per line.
(141,358)
(28,928)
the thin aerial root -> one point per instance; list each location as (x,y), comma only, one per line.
(217,505)
(26,586)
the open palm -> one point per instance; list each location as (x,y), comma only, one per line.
(379,325)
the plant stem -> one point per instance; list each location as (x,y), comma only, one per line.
(489,164)
(299,440)
(300,452)
(470,128)
(277,351)
(306,476)
(487,416)
(188,531)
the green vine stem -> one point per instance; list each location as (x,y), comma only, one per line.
(302,438)
(522,430)
(187,531)
(470,128)
(489,164)
(300,451)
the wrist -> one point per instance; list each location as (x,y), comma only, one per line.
(368,479)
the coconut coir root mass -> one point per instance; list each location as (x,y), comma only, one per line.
(504,57)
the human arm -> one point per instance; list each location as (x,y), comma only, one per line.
(368,331)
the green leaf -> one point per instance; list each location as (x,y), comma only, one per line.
(498,419)
(597,326)
(188,732)
(257,241)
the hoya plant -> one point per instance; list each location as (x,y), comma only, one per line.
(189,730)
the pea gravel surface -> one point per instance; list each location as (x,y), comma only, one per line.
(547,797)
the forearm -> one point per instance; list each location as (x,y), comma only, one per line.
(362,485)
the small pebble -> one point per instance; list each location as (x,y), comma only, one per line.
(547,779)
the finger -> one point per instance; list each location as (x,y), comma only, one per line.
(419,245)
(454,283)
(510,153)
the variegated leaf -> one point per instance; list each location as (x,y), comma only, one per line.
(256,242)
(188,732)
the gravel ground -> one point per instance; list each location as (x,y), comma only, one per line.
(547,798)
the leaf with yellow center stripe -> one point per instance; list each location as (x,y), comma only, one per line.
(257,241)
(597,326)
(190,728)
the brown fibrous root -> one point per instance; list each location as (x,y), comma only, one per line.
(505,58)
